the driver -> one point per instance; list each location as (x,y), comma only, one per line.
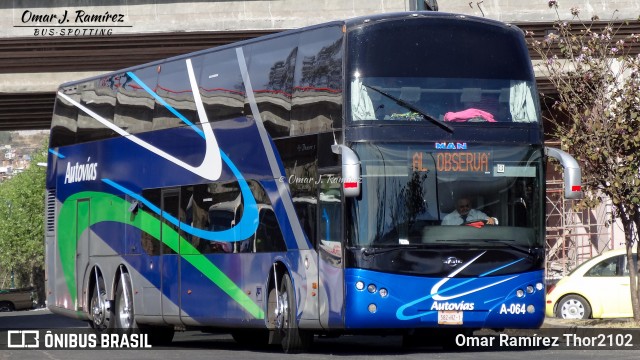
(464,213)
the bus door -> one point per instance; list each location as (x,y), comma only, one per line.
(330,249)
(82,246)
(169,258)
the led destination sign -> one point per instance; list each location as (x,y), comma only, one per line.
(454,161)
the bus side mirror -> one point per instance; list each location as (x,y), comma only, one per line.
(572,174)
(350,170)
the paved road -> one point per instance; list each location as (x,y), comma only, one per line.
(194,345)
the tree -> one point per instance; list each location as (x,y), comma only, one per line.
(595,115)
(22,225)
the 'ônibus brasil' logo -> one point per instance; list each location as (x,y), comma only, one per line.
(81,172)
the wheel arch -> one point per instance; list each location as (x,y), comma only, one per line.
(561,298)
(280,266)
(90,285)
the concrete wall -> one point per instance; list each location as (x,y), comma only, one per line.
(143,16)
(538,10)
(18,18)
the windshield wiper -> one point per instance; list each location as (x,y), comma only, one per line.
(368,252)
(412,108)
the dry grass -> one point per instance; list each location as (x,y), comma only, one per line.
(593,323)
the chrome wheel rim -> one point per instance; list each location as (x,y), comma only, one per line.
(99,309)
(125,313)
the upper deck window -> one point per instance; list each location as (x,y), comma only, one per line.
(451,70)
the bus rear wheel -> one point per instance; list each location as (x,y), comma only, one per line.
(294,340)
(124,315)
(102,320)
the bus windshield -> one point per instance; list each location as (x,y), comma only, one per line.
(455,72)
(411,195)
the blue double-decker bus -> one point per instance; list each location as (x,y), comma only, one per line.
(314,181)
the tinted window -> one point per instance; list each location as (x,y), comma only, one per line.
(219,206)
(100,99)
(317,95)
(300,160)
(214,207)
(607,267)
(134,105)
(447,69)
(221,86)
(63,123)
(151,245)
(170,206)
(436,47)
(268,235)
(271,67)
(174,88)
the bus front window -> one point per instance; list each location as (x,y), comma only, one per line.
(450,72)
(413,194)
(445,99)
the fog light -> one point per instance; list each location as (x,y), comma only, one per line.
(359,285)
(519,293)
(529,289)
(372,288)
(531,309)
(539,286)
(372,308)
(384,293)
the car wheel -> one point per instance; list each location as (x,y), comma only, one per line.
(573,307)
(6,306)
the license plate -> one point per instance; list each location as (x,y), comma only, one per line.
(450,317)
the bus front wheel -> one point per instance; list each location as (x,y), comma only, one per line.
(294,340)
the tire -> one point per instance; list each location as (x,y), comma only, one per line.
(101,313)
(573,307)
(123,309)
(294,340)
(6,306)
(125,320)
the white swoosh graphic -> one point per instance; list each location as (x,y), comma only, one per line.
(211,166)
(436,287)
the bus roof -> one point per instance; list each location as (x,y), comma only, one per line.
(349,23)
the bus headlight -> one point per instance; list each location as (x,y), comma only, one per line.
(519,293)
(372,288)
(539,286)
(360,285)
(372,308)
(529,289)
(383,293)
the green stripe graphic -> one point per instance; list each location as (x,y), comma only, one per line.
(107,207)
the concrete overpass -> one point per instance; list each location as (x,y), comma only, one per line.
(43,44)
